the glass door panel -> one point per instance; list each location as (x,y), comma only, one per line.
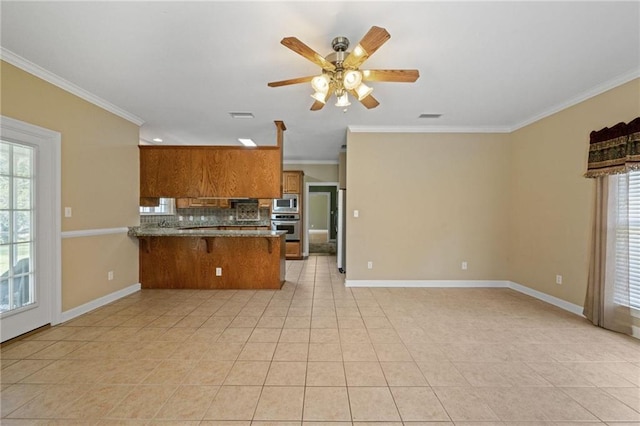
(17,244)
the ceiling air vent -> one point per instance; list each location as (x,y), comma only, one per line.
(241,115)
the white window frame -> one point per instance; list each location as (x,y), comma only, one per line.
(49,178)
(167,207)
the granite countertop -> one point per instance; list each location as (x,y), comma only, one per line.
(137,231)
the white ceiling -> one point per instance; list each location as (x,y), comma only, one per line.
(183,66)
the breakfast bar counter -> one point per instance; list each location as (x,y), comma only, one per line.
(209,258)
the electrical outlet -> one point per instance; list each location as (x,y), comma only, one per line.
(464,266)
(356,213)
(558,279)
(218,272)
(110,275)
(67,212)
(369,265)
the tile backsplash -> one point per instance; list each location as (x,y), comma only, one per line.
(242,214)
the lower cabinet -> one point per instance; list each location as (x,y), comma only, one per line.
(210,262)
(293,250)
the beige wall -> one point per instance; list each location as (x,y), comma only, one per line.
(318,206)
(316,172)
(100,181)
(86,262)
(551,201)
(426,203)
(515,206)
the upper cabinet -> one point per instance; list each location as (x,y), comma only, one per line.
(211,171)
(221,203)
(292,182)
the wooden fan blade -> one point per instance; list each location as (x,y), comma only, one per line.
(317,105)
(305,51)
(369,102)
(399,76)
(371,42)
(290,81)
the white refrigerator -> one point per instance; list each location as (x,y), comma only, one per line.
(341,237)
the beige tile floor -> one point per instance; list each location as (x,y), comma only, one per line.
(317,353)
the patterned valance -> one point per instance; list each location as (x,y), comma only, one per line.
(614,150)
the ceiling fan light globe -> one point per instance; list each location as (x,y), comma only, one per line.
(363,91)
(343,100)
(352,79)
(320,83)
(320,97)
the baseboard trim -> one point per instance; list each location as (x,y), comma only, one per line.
(96,303)
(552,300)
(427,283)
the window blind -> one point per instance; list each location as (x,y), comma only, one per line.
(627,287)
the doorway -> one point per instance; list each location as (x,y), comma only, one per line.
(320,218)
(29,228)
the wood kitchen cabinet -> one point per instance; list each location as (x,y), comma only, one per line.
(251,262)
(149,202)
(265,203)
(185,203)
(293,250)
(212,171)
(292,182)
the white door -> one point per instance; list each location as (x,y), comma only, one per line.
(341,240)
(28,280)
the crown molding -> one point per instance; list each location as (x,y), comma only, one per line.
(28,66)
(595,91)
(426,129)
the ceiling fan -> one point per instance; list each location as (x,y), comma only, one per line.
(341,72)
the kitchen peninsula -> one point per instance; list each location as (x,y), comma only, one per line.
(206,258)
(205,181)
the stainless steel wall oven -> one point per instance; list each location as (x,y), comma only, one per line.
(287,222)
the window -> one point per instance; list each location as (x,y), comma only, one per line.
(627,239)
(16,226)
(167,206)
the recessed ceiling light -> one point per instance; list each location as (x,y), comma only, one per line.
(241,115)
(157,140)
(429,115)
(247,142)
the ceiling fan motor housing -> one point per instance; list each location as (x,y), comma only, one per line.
(337,57)
(340,44)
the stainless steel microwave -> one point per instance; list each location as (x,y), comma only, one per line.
(287,204)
